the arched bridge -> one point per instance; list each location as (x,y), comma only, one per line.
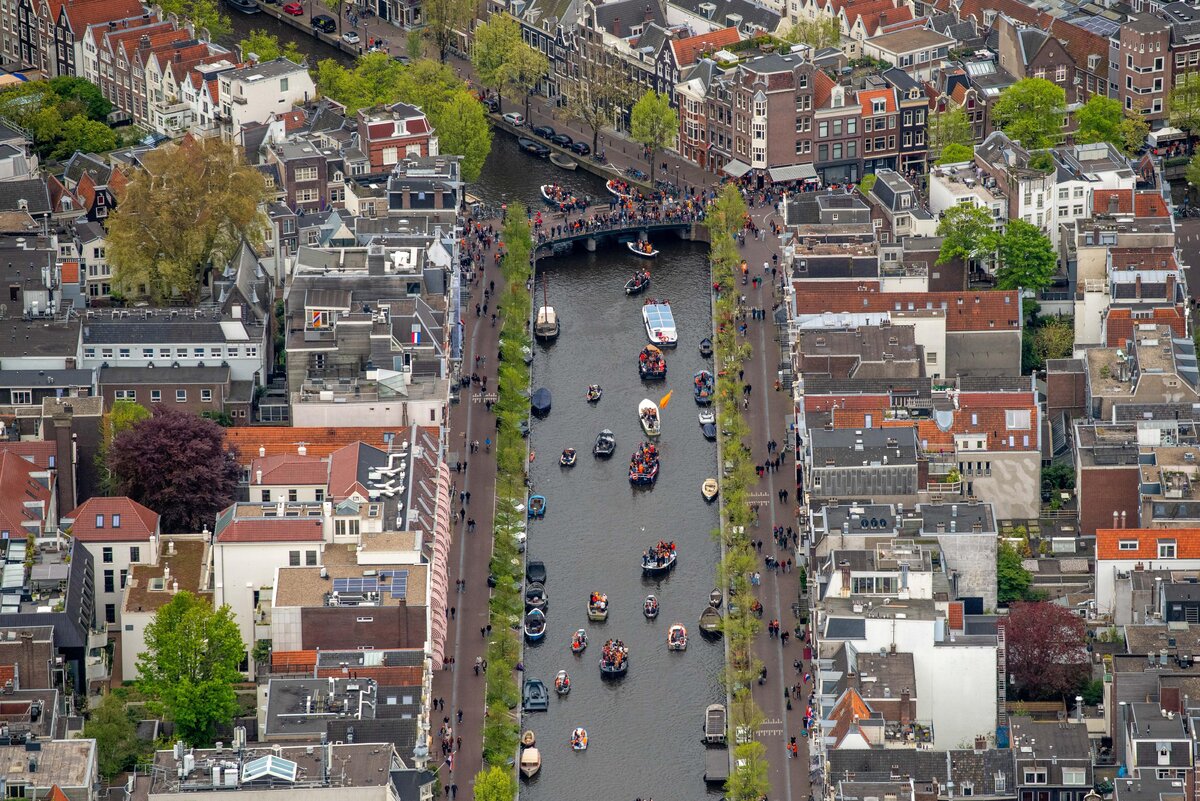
(595,228)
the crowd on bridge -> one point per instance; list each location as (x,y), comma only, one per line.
(657,208)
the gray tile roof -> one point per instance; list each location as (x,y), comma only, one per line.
(163,375)
(31,190)
(629,12)
(752,14)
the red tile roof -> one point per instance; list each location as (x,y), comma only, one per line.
(1150,204)
(137,523)
(1141,204)
(1161,258)
(290,469)
(1079,43)
(822,89)
(384,675)
(70,272)
(319,441)
(866,99)
(688,50)
(293,661)
(17,486)
(272,529)
(35,451)
(90,12)
(1119,324)
(965,311)
(1142,543)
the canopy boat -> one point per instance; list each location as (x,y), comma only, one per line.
(660,323)
(528,739)
(710,622)
(619,189)
(578,641)
(579,739)
(537,505)
(535,596)
(540,401)
(660,558)
(638,283)
(642,248)
(714,724)
(534,696)
(531,762)
(614,659)
(651,363)
(709,489)
(643,466)
(535,625)
(648,414)
(714,599)
(546,327)
(594,392)
(706,348)
(564,162)
(702,387)
(606,443)
(562,683)
(568,457)
(650,607)
(677,638)
(597,606)
(535,571)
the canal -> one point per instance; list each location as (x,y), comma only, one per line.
(308,44)
(645,730)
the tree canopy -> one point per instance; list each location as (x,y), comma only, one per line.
(653,123)
(495,39)
(1046,655)
(1102,119)
(113,729)
(204,13)
(956,154)
(1193,170)
(816,33)
(177,464)
(1031,111)
(445,20)
(524,69)
(190,665)
(121,416)
(62,115)
(950,127)
(494,784)
(190,208)
(1184,102)
(1012,578)
(1027,257)
(268,47)
(595,100)
(967,234)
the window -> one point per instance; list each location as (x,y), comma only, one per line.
(294,558)
(1017,419)
(319,494)
(155,395)
(181,396)
(110,613)
(123,576)
(116,520)
(1074,776)
(306,173)
(109,581)
(1166,549)
(1060,74)
(123,353)
(107,552)
(125,394)
(1035,776)
(364,620)
(206,395)
(851,126)
(292,496)
(1127,545)
(147,353)
(135,554)
(823,129)
(310,558)
(968,788)
(22,397)
(1000,780)
(266,496)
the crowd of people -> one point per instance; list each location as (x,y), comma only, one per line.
(561,199)
(644,464)
(614,654)
(598,601)
(659,554)
(651,363)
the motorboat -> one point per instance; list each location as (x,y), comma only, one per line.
(531,762)
(594,393)
(535,625)
(563,162)
(535,597)
(534,696)
(245,6)
(535,149)
(642,248)
(578,641)
(703,386)
(562,683)
(710,621)
(579,739)
(638,283)
(618,189)
(677,637)
(643,465)
(597,607)
(559,198)
(528,739)
(537,505)
(707,416)
(715,598)
(614,659)
(706,348)
(648,415)
(651,363)
(568,457)
(650,607)
(660,558)
(546,326)
(708,424)
(660,323)
(535,572)
(709,431)
(606,443)
(540,402)
(709,489)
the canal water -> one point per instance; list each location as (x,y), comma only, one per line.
(645,730)
(308,44)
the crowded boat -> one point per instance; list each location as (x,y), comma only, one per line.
(648,415)
(568,457)
(677,638)
(651,363)
(660,557)
(562,683)
(594,391)
(619,189)
(579,739)
(606,443)
(561,199)
(702,387)
(642,248)
(660,323)
(639,282)
(578,641)
(643,466)
(597,606)
(614,658)
(650,607)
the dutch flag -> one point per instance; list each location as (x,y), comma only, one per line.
(416,335)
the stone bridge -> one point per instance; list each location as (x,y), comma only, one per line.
(618,233)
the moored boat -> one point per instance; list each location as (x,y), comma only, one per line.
(606,443)
(714,724)
(540,402)
(638,283)
(579,739)
(677,638)
(709,430)
(531,762)
(715,598)
(643,465)
(706,348)
(648,415)
(660,558)
(660,323)
(537,505)
(614,659)
(560,198)
(564,162)
(707,416)
(534,696)
(568,457)
(535,149)
(702,387)
(597,606)
(528,739)
(546,327)
(562,683)
(578,641)
(535,625)
(619,189)
(650,607)
(651,363)
(535,596)
(710,622)
(642,248)
(594,393)
(709,489)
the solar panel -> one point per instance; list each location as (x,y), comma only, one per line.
(398,580)
(355,585)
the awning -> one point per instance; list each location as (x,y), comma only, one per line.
(736,169)
(797,172)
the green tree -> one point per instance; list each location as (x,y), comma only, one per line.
(1132,133)
(445,20)
(90,102)
(1193,171)
(43,108)
(204,13)
(1099,120)
(816,33)
(336,6)
(81,134)
(494,784)
(1027,257)
(595,99)
(463,130)
(956,154)
(950,126)
(495,40)
(967,234)
(113,729)
(1183,102)
(1054,339)
(268,47)
(122,416)
(1012,579)
(727,214)
(190,665)
(750,778)
(866,184)
(1031,111)
(190,208)
(523,71)
(654,124)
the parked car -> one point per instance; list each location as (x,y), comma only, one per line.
(491,104)
(544,131)
(324,23)
(350,37)
(581,148)
(294,10)
(513,118)
(562,140)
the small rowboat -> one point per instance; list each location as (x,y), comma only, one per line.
(535,596)
(706,348)
(638,283)
(606,443)
(531,762)
(642,249)
(648,414)
(537,506)
(614,661)
(535,625)
(709,489)
(597,607)
(534,696)
(677,638)
(578,641)
(528,739)
(568,457)
(594,392)
(707,416)
(650,607)
(714,599)
(548,192)
(579,739)
(562,683)
(562,161)
(710,622)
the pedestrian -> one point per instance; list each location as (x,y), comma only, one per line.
(453,612)
(783,638)
(459,716)
(482,634)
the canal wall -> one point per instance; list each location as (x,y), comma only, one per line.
(586,163)
(304,25)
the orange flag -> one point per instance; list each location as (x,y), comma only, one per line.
(662,404)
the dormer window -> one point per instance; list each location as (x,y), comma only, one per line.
(878,105)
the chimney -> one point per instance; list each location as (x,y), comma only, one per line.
(1171,288)
(302,449)
(1114,204)
(257,476)
(649,14)
(980,743)
(1137,286)
(1122,518)
(171,547)
(616,26)
(905,707)
(64,460)
(262,451)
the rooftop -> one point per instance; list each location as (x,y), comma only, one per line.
(183,563)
